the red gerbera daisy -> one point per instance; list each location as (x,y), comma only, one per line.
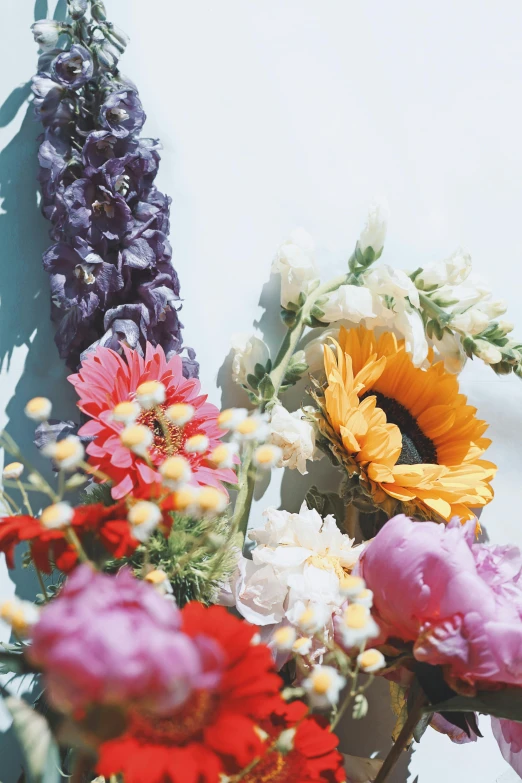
(312,755)
(214,729)
(106,524)
(106,379)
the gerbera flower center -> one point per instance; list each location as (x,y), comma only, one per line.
(168,438)
(417,448)
(181,726)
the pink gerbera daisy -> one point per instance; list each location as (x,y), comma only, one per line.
(106,379)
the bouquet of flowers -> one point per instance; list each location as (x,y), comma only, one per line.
(167,650)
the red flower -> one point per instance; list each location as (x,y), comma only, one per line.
(107,524)
(214,729)
(313,756)
(106,379)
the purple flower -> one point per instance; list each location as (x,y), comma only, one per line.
(73,68)
(95,212)
(114,640)
(459,602)
(122,113)
(112,278)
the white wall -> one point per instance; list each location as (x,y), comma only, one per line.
(277,113)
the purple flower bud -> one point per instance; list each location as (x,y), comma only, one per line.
(122,113)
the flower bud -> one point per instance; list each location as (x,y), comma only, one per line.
(231,417)
(489,354)
(126,412)
(453,271)
(472,321)
(67,453)
(137,438)
(267,456)
(211,501)
(77,8)
(197,444)
(249,351)
(371,661)
(38,409)
(175,471)
(285,741)
(506,326)
(47,32)
(374,232)
(144,517)
(57,516)
(99,14)
(180,413)
(150,394)
(13,471)
(294,261)
(494,308)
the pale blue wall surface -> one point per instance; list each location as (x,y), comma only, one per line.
(277,113)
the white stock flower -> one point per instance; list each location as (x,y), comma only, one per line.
(374,231)
(472,291)
(298,558)
(489,354)
(453,271)
(295,436)
(314,349)
(451,352)
(294,261)
(472,321)
(408,322)
(494,308)
(387,281)
(249,350)
(349,302)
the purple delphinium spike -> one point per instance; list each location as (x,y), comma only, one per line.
(110,263)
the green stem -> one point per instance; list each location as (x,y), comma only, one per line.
(403,739)
(247,481)
(294,334)
(287,350)
(25,497)
(436,312)
(42,583)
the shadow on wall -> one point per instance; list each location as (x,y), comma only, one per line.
(371,735)
(24,312)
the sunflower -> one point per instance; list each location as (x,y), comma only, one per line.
(406,436)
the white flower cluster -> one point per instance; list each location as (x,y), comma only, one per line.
(296,575)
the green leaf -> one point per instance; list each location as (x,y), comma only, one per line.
(41,755)
(252,381)
(288,318)
(259,371)
(316,312)
(266,388)
(360,707)
(506,703)
(12,663)
(326,503)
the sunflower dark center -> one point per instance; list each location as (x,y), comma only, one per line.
(417,448)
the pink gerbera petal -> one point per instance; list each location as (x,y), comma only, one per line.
(105,379)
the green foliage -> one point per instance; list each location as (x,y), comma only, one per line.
(41,755)
(97,493)
(326,503)
(198,556)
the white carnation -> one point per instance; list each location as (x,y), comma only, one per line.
(295,436)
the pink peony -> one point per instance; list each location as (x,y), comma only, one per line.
(508,734)
(105,379)
(114,640)
(459,602)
